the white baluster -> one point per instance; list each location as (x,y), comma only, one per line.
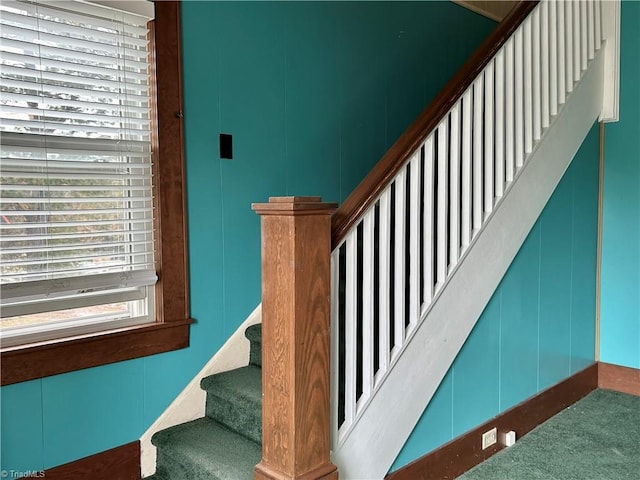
(569,41)
(544,63)
(553,59)
(489,99)
(577,70)
(384,259)
(598,24)
(454,187)
(367,304)
(528,87)
(441,215)
(335,344)
(414,240)
(399,263)
(509,112)
(350,332)
(467,137)
(584,42)
(518,57)
(536,72)
(499,123)
(478,118)
(591,29)
(562,62)
(428,220)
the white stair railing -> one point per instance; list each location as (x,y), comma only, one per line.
(393,265)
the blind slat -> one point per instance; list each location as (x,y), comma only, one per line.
(6,240)
(71,120)
(71,201)
(65,248)
(66,13)
(46,83)
(72,272)
(36,30)
(85,172)
(120,258)
(66,303)
(54,144)
(13,293)
(75,188)
(58,225)
(55,128)
(42,101)
(28,33)
(46,53)
(134,36)
(31,63)
(73,212)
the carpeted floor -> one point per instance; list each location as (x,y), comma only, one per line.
(598,438)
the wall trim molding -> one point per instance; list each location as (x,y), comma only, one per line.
(464,452)
(619,378)
(121,462)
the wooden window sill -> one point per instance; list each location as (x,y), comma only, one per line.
(27,362)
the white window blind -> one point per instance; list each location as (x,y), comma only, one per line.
(76,225)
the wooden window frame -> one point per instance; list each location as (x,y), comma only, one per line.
(171,328)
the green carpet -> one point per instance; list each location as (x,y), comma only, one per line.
(226,443)
(598,438)
(234,399)
(204,449)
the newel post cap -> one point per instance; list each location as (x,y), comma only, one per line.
(290,206)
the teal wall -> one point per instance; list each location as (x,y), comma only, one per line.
(539,326)
(313,94)
(620,280)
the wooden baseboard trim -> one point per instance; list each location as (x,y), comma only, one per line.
(619,378)
(465,451)
(122,462)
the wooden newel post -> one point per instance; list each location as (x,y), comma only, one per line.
(296,289)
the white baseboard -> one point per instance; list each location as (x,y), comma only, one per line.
(190,403)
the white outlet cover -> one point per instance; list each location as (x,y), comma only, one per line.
(489,438)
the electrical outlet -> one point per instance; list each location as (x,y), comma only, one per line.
(509,438)
(489,438)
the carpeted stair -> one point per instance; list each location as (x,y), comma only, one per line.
(226,443)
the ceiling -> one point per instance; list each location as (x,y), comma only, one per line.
(495,9)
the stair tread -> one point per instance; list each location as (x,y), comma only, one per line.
(203,448)
(254,333)
(243,384)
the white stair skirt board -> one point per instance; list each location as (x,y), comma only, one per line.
(190,403)
(369,449)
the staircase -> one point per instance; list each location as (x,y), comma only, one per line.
(411,259)
(419,252)
(226,443)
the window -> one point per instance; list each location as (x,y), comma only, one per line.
(76,250)
(82,273)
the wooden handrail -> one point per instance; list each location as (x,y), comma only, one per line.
(385,170)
